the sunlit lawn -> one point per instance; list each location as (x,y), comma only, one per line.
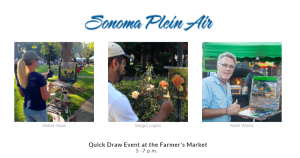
(89,71)
(19,116)
(84,89)
(45,68)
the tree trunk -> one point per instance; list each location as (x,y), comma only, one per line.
(66,51)
(50,52)
(49,61)
(143,57)
(16,50)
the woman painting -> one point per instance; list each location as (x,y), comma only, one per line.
(33,87)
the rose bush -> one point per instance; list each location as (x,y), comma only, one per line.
(163,84)
(150,97)
(135,94)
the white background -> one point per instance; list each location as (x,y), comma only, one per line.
(233,21)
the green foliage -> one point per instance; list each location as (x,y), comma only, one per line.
(86,52)
(22,47)
(91,46)
(184,111)
(77,48)
(50,50)
(128,46)
(149,101)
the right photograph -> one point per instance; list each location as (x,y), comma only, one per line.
(242,82)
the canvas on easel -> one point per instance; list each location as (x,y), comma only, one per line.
(264,98)
(178,82)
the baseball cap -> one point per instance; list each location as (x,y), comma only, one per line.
(30,56)
(115,50)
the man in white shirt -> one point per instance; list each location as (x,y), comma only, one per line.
(119,108)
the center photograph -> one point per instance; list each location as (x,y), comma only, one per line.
(147,81)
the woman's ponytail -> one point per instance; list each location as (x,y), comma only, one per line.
(22,73)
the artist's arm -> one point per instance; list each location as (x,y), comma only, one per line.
(44,88)
(21,93)
(120,110)
(208,113)
(247,84)
(46,92)
(165,110)
(246,89)
(233,109)
(212,113)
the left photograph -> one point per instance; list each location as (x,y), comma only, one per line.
(54,82)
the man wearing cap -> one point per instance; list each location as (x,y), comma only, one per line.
(217,103)
(119,108)
(248,82)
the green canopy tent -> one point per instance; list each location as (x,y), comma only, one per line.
(245,51)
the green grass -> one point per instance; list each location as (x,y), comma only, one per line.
(45,68)
(89,71)
(84,89)
(19,116)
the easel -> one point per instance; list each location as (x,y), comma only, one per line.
(67,77)
(179,64)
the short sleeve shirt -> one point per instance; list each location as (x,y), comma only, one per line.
(119,109)
(33,93)
(215,97)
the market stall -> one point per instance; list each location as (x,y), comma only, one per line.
(92,59)
(266,54)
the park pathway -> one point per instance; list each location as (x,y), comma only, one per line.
(85,113)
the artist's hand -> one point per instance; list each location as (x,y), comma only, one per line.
(234,108)
(50,86)
(166,107)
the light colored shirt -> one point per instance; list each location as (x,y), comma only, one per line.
(119,108)
(214,96)
(212,73)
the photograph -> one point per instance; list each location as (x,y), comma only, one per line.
(54,82)
(148,81)
(241,82)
